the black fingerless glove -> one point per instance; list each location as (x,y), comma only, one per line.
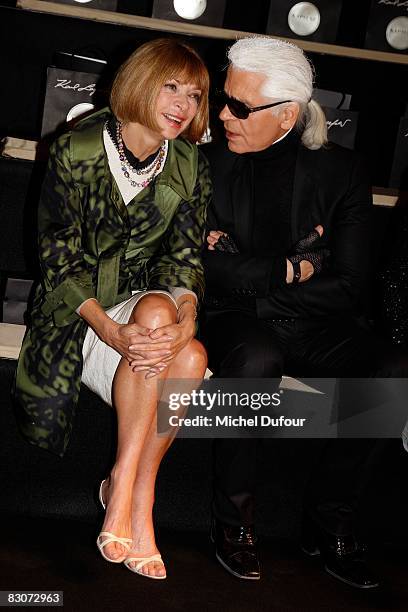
(317,258)
(226,244)
(307,243)
(305,249)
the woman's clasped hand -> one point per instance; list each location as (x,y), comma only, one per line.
(154,351)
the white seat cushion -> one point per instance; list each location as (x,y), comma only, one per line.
(11,338)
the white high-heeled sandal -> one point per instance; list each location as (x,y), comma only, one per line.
(100,494)
(142,561)
(111,537)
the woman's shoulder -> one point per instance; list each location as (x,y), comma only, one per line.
(182,146)
(180,170)
(192,151)
(85,138)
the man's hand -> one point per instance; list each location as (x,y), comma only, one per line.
(220,241)
(309,242)
(306,259)
(213,238)
(306,271)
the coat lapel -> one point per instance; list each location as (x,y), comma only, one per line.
(241,198)
(90,162)
(303,198)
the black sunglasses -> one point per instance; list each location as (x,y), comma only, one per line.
(239,109)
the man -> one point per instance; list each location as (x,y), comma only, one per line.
(286,270)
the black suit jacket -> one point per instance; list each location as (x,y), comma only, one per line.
(331,188)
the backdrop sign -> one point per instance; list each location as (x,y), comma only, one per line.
(341,126)
(69,94)
(204,12)
(387,28)
(105,5)
(341,121)
(399,172)
(332,99)
(317,20)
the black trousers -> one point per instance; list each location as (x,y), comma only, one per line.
(241,346)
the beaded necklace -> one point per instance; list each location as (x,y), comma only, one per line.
(128,170)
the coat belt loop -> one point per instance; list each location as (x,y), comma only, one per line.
(108,280)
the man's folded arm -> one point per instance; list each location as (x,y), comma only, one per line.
(229,273)
(343,287)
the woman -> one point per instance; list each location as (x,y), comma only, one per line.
(121,226)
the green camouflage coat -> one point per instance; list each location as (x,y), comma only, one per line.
(84,234)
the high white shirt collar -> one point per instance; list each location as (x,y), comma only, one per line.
(282,137)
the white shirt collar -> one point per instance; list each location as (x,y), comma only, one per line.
(282,137)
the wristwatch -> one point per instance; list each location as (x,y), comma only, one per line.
(296,271)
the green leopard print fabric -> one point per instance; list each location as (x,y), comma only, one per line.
(92,245)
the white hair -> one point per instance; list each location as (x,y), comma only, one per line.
(289,76)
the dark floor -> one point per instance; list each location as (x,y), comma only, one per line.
(59,554)
(39,554)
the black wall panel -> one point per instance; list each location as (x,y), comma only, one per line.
(27,45)
(29,40)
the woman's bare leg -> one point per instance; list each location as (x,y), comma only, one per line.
(135,399)
(190,363)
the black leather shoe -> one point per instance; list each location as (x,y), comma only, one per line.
(343,556)
(236,550)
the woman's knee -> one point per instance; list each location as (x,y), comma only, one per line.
(154,310)
(194,357)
